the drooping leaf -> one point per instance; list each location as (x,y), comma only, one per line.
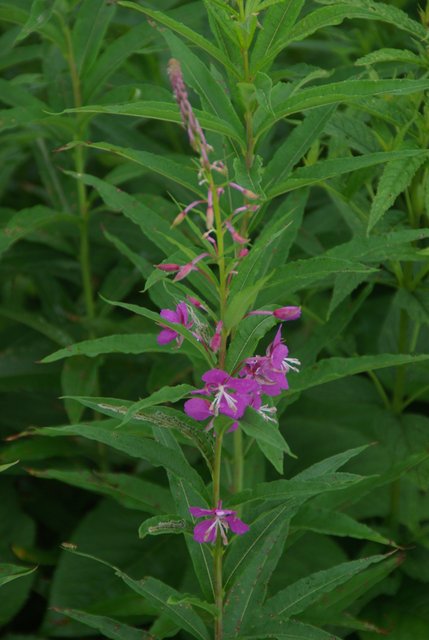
(300,595)
(128,490)
(183,30)
(107,626)
(10,572)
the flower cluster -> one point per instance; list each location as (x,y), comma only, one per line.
(230,396)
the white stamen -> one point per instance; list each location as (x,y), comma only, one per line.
(265,412)
(291,364)
(230,401)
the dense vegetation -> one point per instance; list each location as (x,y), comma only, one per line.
(298,132)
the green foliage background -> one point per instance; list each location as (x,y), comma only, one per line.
(331,126)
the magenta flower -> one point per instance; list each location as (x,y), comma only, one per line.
(229,397)
(220,522)
(269,371)
(180,316)
(278,354)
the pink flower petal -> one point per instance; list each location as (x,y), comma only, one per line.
(215,376)
(166,336)
(198,512)
(169,315)
(205,531)
(197,408)
(236,525)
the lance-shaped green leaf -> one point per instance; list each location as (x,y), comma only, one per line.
(335,93)
(331,464)
(158,594)
(150,418)
(4,467)
(161,396)
(396,177)
(289,630)
(162,165)
(153,226)
(183,30)
(311,518)
(134,39)
(242,301)
(380,11)
(249,588)
(161,595)
(108,627)
(39,14)
(134,343)
(272,246)
(296,146)
(336,601)
(333,167)
(10,572)
(194,602)
(347,10)
(277,23)
(24,222)
(38,323)
(301,273)
(180,329)
(331,369)
(300,595)
(168,112)
(162,525)
(390,55)
(128,490)
(296,488)
(91,24)
(136,259)
(396,245)
(246,338)
(135,446)
(267,436)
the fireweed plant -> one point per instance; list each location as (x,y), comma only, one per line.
(299,180)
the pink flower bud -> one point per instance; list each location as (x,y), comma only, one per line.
(182,215)
(243,252)
(234,234)
(196,303)
(169,268)
(215,342)
(246,192)
(287,313)
(187,268)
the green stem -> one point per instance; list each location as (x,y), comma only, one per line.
(399,386)
(218,550)
(238,461)
(380,389)
(84,249)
